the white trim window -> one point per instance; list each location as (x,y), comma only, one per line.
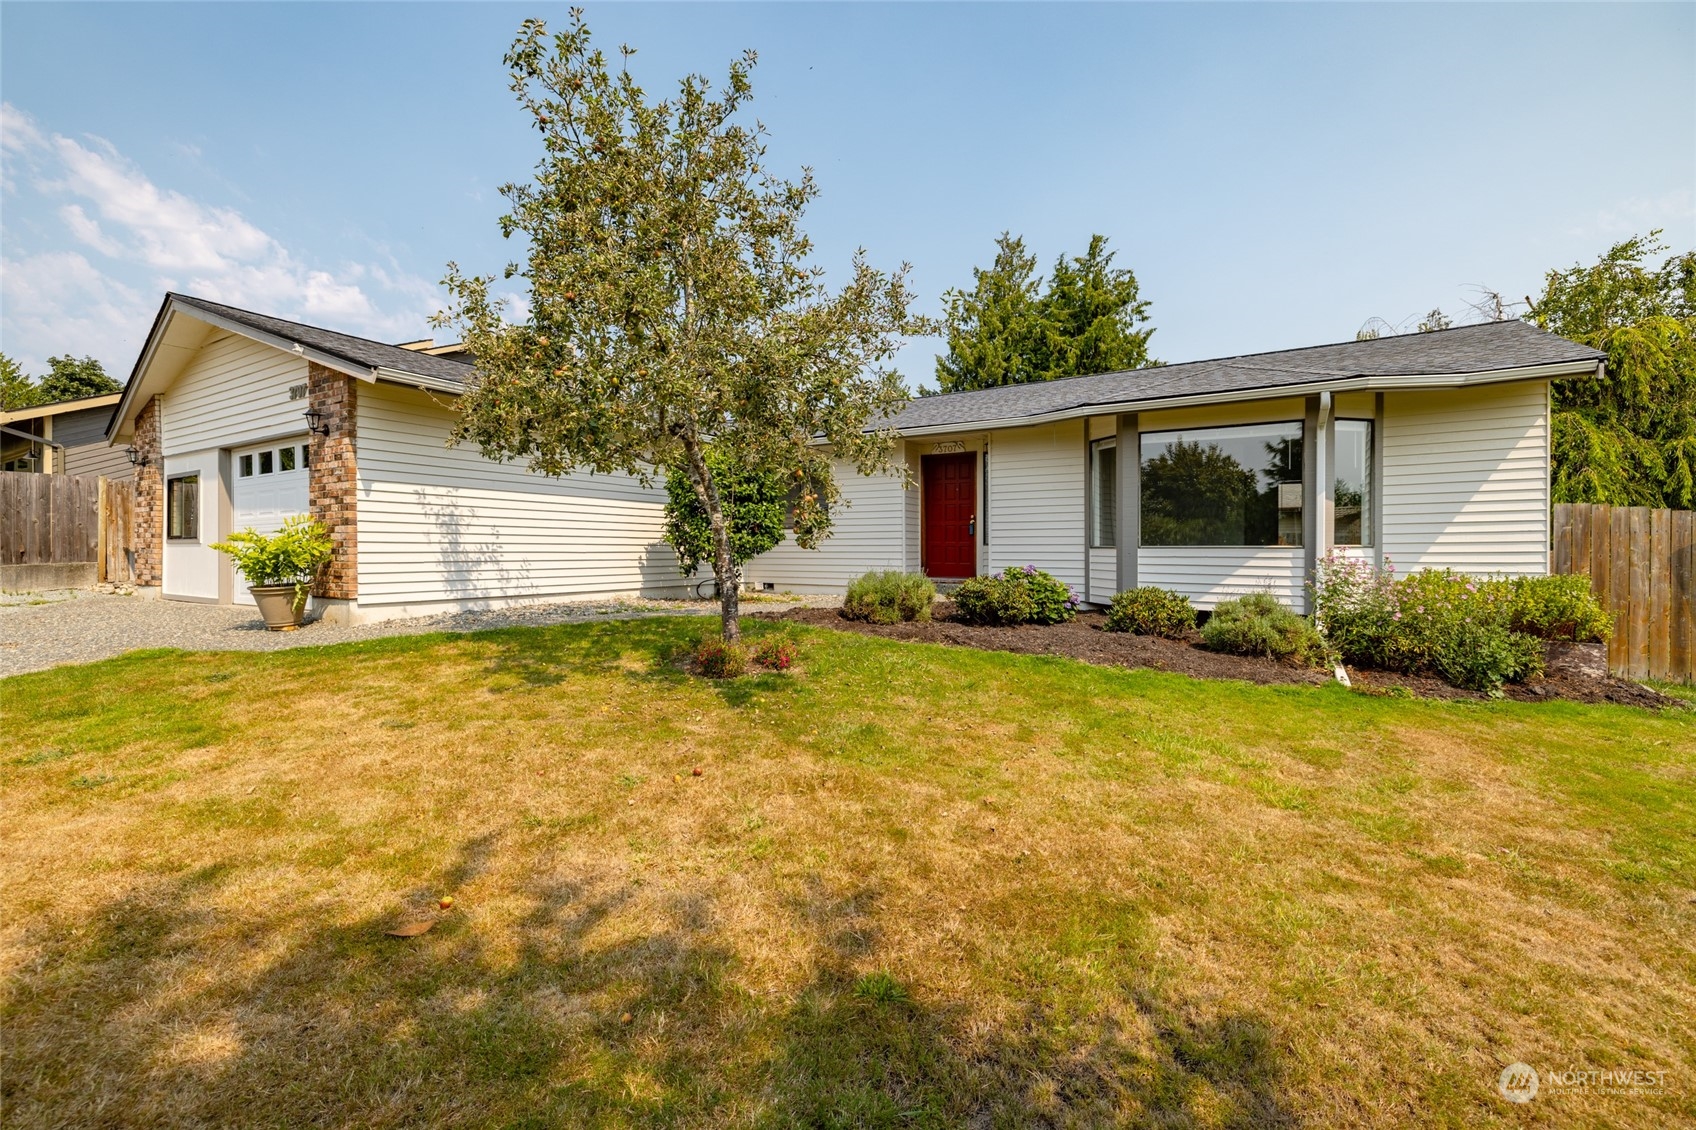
(1352,484)
(1103,493)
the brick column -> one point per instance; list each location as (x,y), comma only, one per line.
(333,478)
(149,533)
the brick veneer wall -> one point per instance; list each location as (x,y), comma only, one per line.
(149,531)
(333,478)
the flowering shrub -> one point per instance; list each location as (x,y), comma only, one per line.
(1016,596)
(1151,611)
(1259,624)
(889,598)
(776,653)
(1435,620)
(719,660)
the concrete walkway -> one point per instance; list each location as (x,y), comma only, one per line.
(42,630)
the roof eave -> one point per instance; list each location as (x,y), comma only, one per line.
(1380,383)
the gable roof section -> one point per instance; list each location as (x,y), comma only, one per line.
(184,322)
(372,355)
(1444,358)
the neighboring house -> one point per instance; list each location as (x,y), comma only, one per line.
(1432,449)
(67,438)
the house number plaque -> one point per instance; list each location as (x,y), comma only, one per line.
(950,447)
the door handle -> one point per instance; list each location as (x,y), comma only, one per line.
(972,525)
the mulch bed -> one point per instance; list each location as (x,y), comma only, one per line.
(1085,638)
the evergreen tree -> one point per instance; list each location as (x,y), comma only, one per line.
(1092,314)
(1008,329)
(16,389)
(996,331)
(1628,439)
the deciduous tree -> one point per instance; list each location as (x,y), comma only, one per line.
(671,303)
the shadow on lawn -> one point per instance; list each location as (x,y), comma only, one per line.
(169,1008)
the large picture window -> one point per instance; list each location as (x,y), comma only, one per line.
(1103,495)
(1223,486)
(1352,487)
(182,508)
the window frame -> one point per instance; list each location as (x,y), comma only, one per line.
(1193,435)
(191,529)
(1100,516)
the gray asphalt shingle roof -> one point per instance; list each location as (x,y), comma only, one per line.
(355,350)
(1465,349)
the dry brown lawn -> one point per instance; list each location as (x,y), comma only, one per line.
(913,886)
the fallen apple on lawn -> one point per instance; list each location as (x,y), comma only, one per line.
(446,901)
(695,772)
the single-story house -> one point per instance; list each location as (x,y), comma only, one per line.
(67,438)
(1213,478)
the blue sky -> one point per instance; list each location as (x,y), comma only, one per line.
(1275,174)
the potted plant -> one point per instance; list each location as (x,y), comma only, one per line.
(279,568)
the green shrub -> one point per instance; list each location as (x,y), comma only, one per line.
(1151,611)
(889,598)
(717,659)
(1557,608)
(1016,596)
(293,555)
(1258,624)
(1435,621)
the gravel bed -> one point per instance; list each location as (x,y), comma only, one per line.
(41,630)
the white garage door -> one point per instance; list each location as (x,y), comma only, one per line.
(270,485)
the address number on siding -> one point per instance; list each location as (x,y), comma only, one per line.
(297,392)
(951,447)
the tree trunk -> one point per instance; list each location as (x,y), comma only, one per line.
(725,571)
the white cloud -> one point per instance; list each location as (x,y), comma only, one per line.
(151,239)
(87,230)
(58,302)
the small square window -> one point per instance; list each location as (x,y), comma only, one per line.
(247,466)
(285,458)
(182,508)
(266,464)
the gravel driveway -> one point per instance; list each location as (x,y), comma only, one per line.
(43,630)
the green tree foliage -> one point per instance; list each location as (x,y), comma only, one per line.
(671,300)
(1630,438)
(68,378)
(16,389)
(754,500)
(71,378)
(1009,330)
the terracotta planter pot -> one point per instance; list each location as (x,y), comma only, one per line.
(276,605)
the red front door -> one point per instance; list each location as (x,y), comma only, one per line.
(951,511)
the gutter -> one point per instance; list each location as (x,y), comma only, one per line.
(1268,392)
(34,439)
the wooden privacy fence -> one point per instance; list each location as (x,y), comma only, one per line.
(1642,566)
(48,519)
(61,520)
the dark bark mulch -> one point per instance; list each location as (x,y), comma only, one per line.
(1085,638)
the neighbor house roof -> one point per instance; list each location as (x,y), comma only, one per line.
(1464,355)
(36,411)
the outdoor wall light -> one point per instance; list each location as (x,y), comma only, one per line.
(137,459)
(315,422)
